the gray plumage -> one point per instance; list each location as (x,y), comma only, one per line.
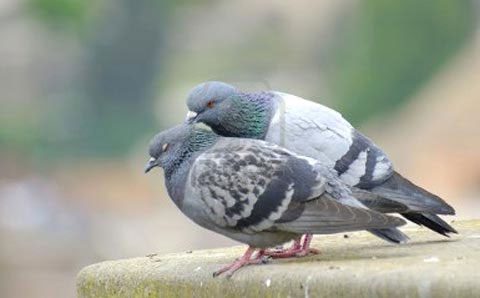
(316,131)
(256,192)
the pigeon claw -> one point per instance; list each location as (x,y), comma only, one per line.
(247,259)
(299,248)
(292,253)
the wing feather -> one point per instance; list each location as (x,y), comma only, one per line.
(325,215)
(316,131)
(252,186)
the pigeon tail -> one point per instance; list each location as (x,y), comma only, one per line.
(399,189)
(392,235)
(431,221)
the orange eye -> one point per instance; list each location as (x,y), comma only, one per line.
(210,104)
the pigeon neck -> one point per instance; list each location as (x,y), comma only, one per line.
(248,116)
(176,171)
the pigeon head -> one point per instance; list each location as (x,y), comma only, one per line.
(207,101)
(164,145)
(169,149)
(230,112)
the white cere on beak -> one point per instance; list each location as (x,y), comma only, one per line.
(152,159)
(191,115)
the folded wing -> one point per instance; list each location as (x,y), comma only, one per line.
(256,186)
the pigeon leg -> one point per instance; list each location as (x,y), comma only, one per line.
(306,249)
(297,244)
(245,260)
(298,249)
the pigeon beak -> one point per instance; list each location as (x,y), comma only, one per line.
(152,162)
(191,117)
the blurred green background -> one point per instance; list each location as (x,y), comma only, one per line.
(84,84)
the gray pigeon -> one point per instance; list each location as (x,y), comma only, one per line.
(316,131)
(255,192)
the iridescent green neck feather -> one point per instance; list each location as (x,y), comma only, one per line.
(247,116)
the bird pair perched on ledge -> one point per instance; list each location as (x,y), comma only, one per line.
(274,167)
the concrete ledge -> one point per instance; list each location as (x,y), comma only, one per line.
(357,266)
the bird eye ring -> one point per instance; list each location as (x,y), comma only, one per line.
(210,104)
(164,147)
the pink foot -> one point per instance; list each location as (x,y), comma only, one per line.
(285,252)
(306,249)
(245,260)
(298,249)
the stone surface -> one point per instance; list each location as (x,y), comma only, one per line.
(355,266)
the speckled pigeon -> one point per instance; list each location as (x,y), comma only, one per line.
(316,131)
(255,192)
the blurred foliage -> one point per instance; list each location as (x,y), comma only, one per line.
(122,74)
(378,57)
(66,14)
(111,106)
(385,51)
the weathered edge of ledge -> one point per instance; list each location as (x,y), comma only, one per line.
(359,266)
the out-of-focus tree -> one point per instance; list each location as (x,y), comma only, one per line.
(110,106)
(123,65)
(386,50)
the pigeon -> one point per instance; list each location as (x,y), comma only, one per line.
(255,192)
(316,131)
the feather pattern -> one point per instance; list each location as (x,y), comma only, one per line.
(316,131)
(331,139)
(250,187)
